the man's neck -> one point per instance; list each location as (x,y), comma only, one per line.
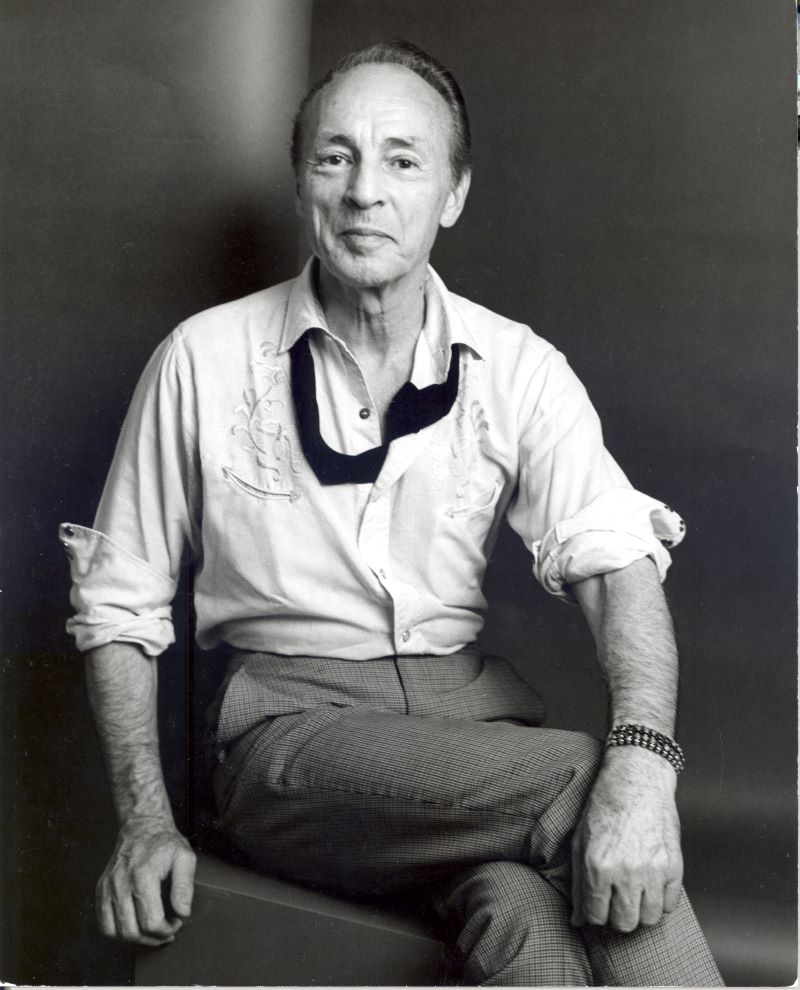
(381,324)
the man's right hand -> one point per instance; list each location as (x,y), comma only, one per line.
(128,896)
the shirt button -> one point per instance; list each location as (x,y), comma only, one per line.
(406,636)
(382,574)
(364,413)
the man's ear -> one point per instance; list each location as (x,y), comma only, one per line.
(455,200)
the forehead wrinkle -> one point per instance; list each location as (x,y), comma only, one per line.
(337,104)
(412,142)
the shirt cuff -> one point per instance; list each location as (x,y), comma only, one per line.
(117,596)
(618,527)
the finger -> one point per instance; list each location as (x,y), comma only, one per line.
(651,909)
(128,926)
(672,895)
(597,904)
(125,916)
(623,914)
(146,894)
(182,888)
(104,911)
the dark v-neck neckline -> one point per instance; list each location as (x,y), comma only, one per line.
(411,410)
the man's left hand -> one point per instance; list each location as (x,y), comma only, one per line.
(627,865)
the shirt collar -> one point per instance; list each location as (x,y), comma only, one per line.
(444,326)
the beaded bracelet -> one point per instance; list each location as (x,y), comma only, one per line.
(656,742)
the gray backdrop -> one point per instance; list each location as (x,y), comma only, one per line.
(633,200)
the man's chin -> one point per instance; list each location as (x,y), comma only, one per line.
(359,272)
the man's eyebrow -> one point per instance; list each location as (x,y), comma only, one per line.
(329,137)
(409,142)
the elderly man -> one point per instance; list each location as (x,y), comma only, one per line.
(335,454)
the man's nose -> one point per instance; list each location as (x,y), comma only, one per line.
(365,188)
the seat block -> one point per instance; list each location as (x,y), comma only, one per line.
(250,929)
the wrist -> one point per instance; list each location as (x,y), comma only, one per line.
(138,789)
(639,736)
(640,767)
(155,821)
(146,825)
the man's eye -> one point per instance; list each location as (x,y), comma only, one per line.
(334,159)
(404,164)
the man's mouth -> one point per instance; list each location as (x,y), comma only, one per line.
(365,232)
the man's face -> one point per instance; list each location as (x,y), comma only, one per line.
(375,180)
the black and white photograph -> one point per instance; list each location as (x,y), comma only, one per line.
(399,524)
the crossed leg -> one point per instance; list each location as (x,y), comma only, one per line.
(362,802)
(512,929)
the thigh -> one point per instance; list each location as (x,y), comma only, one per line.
(366,801)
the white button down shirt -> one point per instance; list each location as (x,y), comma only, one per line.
(209,466)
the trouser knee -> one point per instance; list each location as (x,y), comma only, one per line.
(573,762)
(588,757)
(586,751)
(512,928)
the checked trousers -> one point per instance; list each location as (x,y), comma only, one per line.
(432,774)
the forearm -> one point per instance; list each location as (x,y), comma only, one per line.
(122,689)
(626,856)
(633,632)
(122,685)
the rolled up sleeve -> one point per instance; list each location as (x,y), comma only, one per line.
(125,570)
(574,508)
(618,527)
(117,596)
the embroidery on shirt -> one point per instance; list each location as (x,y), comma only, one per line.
(292,495)
(266,436)
(485,500)
(457,456)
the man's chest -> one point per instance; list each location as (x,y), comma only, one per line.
(250,443)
